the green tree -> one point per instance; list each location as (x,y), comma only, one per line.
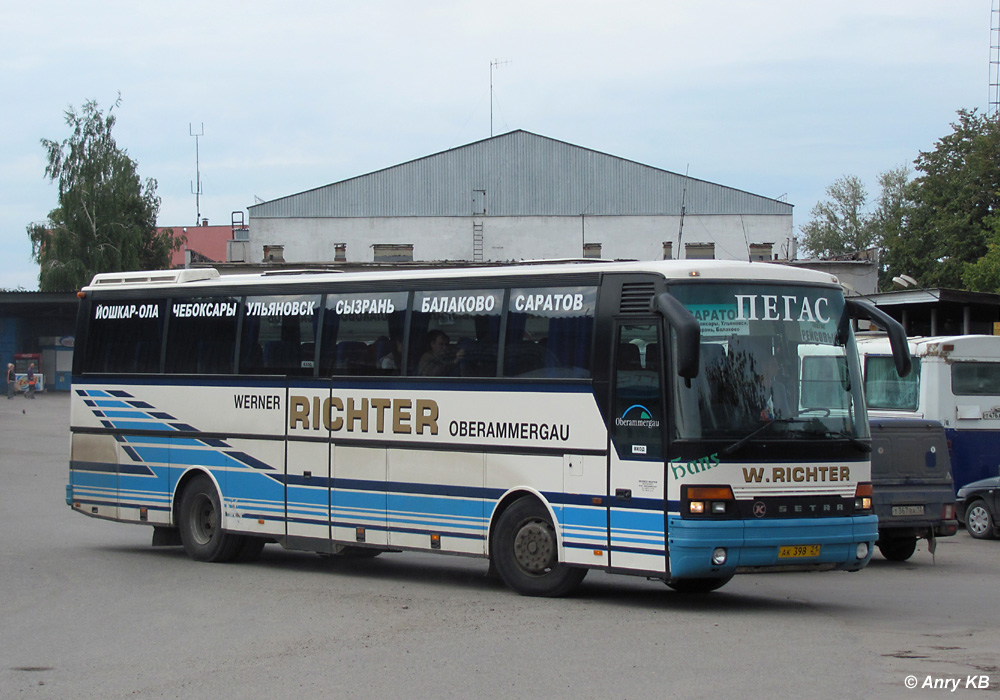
(839,225)
(106,217)
(949,223)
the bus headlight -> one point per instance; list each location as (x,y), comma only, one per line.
(708,500)
(719,556)
(862,550)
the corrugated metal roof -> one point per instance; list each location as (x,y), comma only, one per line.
(522,174)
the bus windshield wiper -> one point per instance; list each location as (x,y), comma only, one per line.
(860,444)
(757,431)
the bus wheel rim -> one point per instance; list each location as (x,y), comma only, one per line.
(534,547)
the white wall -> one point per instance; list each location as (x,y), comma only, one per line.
(516,238)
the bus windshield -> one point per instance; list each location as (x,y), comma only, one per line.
(776,361)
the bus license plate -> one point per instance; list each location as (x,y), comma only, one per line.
(908,510)
(798,551)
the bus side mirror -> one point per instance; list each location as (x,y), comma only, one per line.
(897,336)
(688,332)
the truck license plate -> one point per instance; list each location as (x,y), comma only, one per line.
(908,510)
(798,551)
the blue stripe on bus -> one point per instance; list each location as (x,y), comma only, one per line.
(249,460)
(122,414)
(132,425)
(111,468)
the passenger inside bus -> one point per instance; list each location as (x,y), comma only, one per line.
(439,360)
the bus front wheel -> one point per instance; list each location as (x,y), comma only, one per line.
(525,552)
(693,586)
(200,524)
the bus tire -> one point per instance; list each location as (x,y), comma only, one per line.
(525,552)
(200,524)
(978,521)
(250,548)
(352,552)
(694,586)
(897,548)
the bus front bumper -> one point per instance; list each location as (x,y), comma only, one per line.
(815,543)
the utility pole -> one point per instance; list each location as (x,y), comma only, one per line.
(196,190)
(495,63)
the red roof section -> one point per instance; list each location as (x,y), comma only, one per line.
(209,241)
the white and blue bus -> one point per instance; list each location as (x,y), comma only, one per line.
(956,381)
(641,418)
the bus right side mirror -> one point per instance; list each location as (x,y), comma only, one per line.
(688,331)
(897,336)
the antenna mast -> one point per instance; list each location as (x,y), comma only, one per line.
(994,104)
(197,191)
(495,63)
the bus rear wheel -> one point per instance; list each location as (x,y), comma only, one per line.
(200,524)
(525,552)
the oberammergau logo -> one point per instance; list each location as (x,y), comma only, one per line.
(637,416)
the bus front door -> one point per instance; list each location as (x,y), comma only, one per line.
(636,514)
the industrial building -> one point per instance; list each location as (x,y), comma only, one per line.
(518,196)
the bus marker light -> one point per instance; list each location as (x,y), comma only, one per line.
(143,514)
(260,521)
(597,501)
(359,534)
(598,552)
(81,295)
(710,493)
(863,496)
(435,541)
(719,556)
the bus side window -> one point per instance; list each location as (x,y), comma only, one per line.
(362,334)
(550,332)
(125,343)
(201,336)
(279,334)
(455,333)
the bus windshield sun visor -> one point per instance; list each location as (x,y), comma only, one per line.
(688,332)
(897,336)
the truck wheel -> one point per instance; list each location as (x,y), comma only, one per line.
(979,522)
(897,548)
(525,553)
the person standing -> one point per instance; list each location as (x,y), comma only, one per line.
(11,380)
(29,390)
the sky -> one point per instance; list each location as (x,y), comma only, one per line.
(778,98)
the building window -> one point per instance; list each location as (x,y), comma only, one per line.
(393,252)
(340,252)
(699,251)
(591,250)
(760,251)
(668,250)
